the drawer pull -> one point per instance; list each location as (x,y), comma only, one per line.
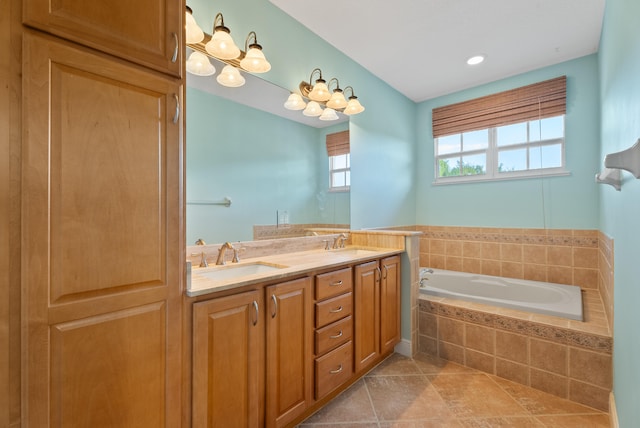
(333,284)
(336,335)
(255,307)
(274,299)
(336,310)
(176,46)
(336,371)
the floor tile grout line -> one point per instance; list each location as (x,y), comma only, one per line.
(373,407)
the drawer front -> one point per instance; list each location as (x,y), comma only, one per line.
(333,369)
(333,335)
(333,309)
(333,283)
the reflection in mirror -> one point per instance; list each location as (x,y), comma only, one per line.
(252,173)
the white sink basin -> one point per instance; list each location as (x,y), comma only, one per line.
(352,252)
(221,273)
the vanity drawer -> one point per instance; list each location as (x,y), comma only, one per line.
(333,309)
(333,283)
(333,369)
(334,335)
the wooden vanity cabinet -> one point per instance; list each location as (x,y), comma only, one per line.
(228,361)
(377,310)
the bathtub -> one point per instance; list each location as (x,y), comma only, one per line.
(532,296)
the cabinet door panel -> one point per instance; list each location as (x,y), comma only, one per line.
(367,315)
(289,350)
(227,361)
(101,217)
(390,303)
(142,31)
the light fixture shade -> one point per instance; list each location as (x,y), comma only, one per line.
(199,64)
(337,101)
(313,109)
(222,46)
(193,32)
(320,91)
(294,102)
(353,106)
(230,77)
(254,61)
(329,114)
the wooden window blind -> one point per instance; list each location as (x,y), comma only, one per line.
(338,143)
(539,100)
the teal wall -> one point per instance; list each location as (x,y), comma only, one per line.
(263,162)
(382,138)
(553,202)
(620,211)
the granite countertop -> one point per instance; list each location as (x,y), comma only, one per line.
(281,266)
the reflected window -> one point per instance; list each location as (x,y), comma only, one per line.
(340,172)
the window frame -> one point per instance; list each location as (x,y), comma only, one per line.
(346,171)
(492,152)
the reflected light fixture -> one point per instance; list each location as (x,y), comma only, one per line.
(254,60)
(230,77)
(199,64)
(313,109)
(329,114)
(193,32)
(353,106)
(319,91)
(221,44)
(294,102)
(337,100)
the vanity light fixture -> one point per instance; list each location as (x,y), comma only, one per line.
(193,32)
(294,102)
(329,114)
(313,109)
(337,100)
(319,91)
(353,106)
(230,77)
(199,64)
(254,60)
(221,44)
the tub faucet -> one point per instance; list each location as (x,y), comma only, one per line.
(226,246)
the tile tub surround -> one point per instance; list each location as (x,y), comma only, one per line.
(569,359)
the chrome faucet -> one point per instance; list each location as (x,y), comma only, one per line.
(226,246)
(339,242)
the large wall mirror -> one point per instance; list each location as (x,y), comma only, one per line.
(254,169)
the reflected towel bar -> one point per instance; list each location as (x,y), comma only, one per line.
(225,202)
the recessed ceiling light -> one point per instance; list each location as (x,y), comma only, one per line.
(476,59)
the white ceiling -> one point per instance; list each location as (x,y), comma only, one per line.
(434,38)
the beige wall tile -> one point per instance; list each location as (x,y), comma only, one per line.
(437,261)
(511,270)
(513,347)
(453,263)
(425,260)
(585,257)
(479,361)
(535,272)
(472,249)
(491,267)
(513,371)
(511,252)
(451,331)
(490,251)
(436,246)
(534,254)
(480,338)
(589,395)
(560,274)
(591,367)
(451,352)
(428,345)
(453,248)
(585,278)
(549,382)
(428,324)
(548,356)
(471,265)
(559,255)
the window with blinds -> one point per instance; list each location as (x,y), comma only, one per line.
(511,134)
(338,150)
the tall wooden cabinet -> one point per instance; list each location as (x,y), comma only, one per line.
(102,240)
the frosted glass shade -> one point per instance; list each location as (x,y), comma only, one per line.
(337,101)
(193,32)
(230,77)
(353,107)
(199,64)
(255,62)
(320,91)
(222,46)
(329,114)
(313,109)
(294,102)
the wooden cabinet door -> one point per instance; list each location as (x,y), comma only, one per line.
(289,350)
(102,246)
(389,303)
(228,356)
(147,32)
(366,315)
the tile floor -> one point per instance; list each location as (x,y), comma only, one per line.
(427,392)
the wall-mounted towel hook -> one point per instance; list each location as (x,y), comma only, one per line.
(610,176)
(629,160)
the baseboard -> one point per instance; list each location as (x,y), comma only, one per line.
(404,348)
(613,412)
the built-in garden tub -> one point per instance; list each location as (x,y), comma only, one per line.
(528,343)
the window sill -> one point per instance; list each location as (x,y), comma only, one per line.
(339,189)
(503,177)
